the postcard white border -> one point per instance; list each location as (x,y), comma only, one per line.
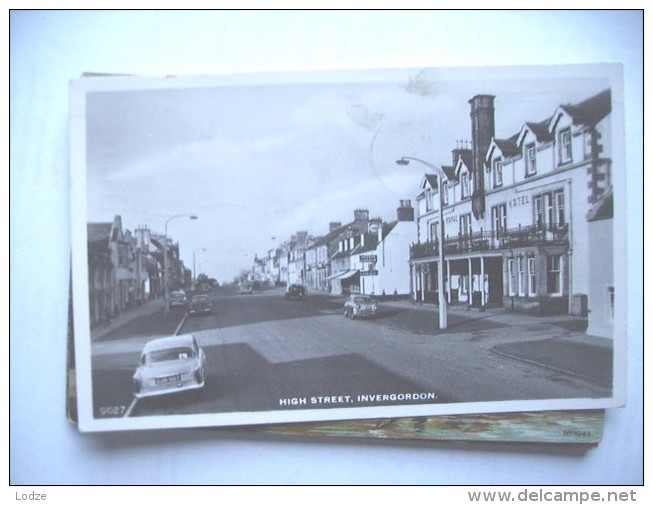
(88,423)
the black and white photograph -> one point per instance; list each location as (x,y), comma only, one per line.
(277,248)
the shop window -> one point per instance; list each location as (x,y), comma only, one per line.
(512,278)
(521,267)
(553,275)
(532,277)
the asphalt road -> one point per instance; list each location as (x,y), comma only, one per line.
(266,353)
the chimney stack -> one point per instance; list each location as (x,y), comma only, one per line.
(333,226)
(482,116)
(405,211)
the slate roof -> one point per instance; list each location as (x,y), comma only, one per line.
(592,110)
(98,232)
(508,146)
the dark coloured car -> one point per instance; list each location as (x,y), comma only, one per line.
(295,292)
(200,304)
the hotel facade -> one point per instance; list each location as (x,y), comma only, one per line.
(516,213)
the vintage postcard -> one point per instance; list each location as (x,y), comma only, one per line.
(265,249)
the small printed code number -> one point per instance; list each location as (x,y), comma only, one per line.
(577,433)
(113,411)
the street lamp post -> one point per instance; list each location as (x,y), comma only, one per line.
(194,275)
(166,280)
(442,302)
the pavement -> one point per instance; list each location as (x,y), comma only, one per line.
(564,346)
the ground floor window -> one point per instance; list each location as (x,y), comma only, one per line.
(553,275)
(532,277)
(512,279)
(522,275)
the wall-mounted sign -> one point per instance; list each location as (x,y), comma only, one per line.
(368,258)
(369,272)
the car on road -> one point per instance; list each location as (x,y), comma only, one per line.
(295,292)
(246,289)
(178,300)
(360,306)
(200,304)
(170,365)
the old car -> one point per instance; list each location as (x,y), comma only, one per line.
(200,304)
(360,306)
(246,289)
(170,365)
(295,292)
(178,300)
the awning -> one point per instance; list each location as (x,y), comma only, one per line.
(349,274)
(342,275)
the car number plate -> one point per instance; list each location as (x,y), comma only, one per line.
(169,378)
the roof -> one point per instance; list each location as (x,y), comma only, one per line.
(508,146)
(592,110)
(98,232)
(539,129)
(450,172)
(169,342)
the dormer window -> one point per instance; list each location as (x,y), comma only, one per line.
(531,160)
(429,201)
(497,173)
(564,146)
(464,185)
(445,193)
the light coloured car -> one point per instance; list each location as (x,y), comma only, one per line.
(246,289)
(170,365)
(360,306)
(178,299)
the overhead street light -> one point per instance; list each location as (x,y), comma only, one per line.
(442,302)
(166,280)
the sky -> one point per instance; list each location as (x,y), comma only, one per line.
(258,158)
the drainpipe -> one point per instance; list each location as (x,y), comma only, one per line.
(570,251)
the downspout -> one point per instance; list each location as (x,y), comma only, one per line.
(570,251)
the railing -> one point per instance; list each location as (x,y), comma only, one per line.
(522,236)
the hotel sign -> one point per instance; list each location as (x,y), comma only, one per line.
(368,258)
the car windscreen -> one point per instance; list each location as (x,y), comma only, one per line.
(172,354)
(362,299)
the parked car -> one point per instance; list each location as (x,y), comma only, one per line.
(178,299)
(360,306)
(170,365)
(246,289)
(295,292)
(200,304)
